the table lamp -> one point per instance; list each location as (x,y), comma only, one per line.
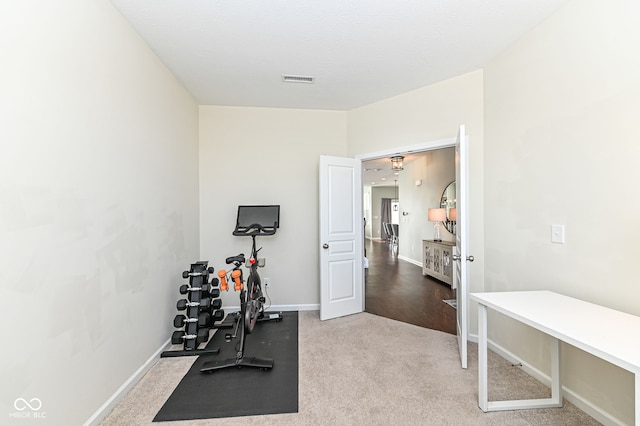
(437,216)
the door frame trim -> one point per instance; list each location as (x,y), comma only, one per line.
(421,147)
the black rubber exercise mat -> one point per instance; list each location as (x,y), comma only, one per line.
(245,391)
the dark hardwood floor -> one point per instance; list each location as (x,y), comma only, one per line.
(397,289)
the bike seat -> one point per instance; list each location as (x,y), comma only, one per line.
(235,259)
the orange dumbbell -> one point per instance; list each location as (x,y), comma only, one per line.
(222,274)
(236,277)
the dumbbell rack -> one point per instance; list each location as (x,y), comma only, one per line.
(202,310)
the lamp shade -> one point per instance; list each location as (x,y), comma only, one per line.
(453,215)
(437,215)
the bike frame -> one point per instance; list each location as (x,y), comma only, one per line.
(254,289)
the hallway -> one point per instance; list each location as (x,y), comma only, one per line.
(397,289)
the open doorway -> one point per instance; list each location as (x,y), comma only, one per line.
(342,284)
(395,286)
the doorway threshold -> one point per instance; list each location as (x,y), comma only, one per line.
(451,302)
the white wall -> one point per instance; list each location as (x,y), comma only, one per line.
(267,156)
(429,114)
(98,204)
(562,108)
(436,169)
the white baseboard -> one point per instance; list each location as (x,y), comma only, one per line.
(309,307)
(406,259)
(583,404)
(102,412)
(285,308)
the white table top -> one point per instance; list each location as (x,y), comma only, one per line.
(609,334)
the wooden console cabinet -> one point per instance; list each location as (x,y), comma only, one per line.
(437,260)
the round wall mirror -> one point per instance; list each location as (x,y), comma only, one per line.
(448,202)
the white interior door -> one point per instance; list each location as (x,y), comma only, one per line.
(462,257)
(341,237)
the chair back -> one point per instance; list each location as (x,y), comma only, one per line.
(387,230)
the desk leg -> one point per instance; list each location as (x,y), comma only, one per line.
(483,396)
(556,384)
(637,397)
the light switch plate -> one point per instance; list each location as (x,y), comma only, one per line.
(557,234)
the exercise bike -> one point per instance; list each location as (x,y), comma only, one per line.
(251,298)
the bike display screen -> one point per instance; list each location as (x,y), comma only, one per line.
(266,216)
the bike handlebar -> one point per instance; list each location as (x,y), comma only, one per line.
(255,229)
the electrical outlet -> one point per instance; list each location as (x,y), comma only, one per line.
(267,281)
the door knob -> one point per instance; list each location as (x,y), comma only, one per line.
(456,257)
(325,246)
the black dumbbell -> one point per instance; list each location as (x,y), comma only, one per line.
(205,319)
(180,320)
(205,273)
(206,289)
(180,336)
(215,304)
(218,315)
(185,288)
(184,304)
(177,337)
(203,336)
(187,274)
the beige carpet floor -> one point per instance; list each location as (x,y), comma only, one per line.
(368,370)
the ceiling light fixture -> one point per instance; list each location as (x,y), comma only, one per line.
(396,163)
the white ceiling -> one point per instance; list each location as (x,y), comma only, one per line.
(378,172)
(232,52)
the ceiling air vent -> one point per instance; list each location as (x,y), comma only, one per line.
(288,78)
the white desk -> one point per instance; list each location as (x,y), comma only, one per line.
(603,332)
